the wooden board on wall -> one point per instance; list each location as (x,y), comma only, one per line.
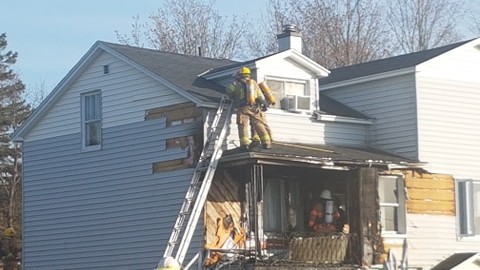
(222,199)
(430,193)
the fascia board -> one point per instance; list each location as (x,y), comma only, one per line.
(301,59)
(224,73)
(342,119)
(373,77)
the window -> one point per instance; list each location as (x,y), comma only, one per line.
(469,207)
(282,89)
(282,206)
(91,120)
(392,204)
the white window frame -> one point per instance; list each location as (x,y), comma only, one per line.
(468,206)
(97,119)
(400,205)
(283,81)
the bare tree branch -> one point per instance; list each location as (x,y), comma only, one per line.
(423,24)
(336,33)
(189,27)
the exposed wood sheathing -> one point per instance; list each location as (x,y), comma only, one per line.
(223,199)
(178,112)
(430,193)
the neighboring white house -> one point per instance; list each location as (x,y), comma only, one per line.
(108,155)
(426,106)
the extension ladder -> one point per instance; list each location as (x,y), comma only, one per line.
(200,184)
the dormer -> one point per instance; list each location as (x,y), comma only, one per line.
(291,76)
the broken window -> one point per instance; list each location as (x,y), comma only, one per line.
(469,207)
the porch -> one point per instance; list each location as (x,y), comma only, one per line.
(269,194)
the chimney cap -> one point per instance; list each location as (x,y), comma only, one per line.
(287,28)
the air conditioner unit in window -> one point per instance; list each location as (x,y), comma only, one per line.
(298,103)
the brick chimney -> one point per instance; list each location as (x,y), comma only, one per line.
(289,39)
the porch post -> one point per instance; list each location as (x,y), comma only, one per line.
(368,202)
(257,178)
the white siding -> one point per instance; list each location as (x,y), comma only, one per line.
(448,90)
(391,102)
(301,128)
(126,94)
(431,238)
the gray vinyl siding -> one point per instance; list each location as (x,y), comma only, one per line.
(126,94)
(391,102)
(102,209)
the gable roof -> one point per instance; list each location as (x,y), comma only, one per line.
(387,64)
(185,74)
(179,69)
(291,54)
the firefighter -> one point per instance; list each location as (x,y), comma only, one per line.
(325,217)
(249,103)
(270,99)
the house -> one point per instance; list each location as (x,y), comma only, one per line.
(109,155)
(426,105)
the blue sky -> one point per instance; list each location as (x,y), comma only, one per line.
(51,36)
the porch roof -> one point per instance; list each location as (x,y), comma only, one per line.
(328,156)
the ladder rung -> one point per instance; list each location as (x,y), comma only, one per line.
(184,213)
(174,243)
(201,181)
(202,169)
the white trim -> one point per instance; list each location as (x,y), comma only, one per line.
(301,59)
(341,119)
(297,57)
(83,96)
(364,79)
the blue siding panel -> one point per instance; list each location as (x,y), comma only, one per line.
(103,209)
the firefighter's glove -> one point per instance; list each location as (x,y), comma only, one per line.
(263,107)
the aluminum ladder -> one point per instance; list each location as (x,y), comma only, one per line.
(200,184)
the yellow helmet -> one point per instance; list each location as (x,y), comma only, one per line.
(244,70)
(9,232)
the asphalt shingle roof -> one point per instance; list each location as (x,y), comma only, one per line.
(385,65)
(184,70)
(319,153)
(179,69)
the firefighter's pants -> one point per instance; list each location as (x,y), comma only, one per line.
(255,137)
(246,115)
